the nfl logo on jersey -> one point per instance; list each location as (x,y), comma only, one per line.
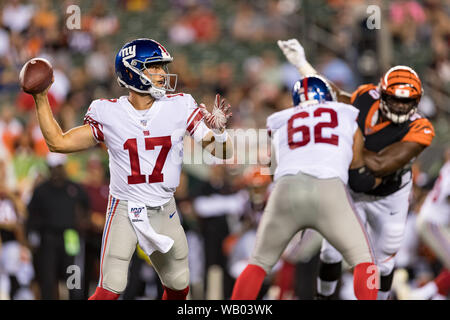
(137,212)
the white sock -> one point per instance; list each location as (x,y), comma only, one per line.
(383,295)
(326,288)
(427,291)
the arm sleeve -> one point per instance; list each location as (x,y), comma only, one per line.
(195,126)
(94,122)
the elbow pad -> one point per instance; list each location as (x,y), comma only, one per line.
(361,179)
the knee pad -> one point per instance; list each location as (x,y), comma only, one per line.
(115,275)
(115,281)
(388,245)
(115,268)
(392,238)
(177,281)
(330,255)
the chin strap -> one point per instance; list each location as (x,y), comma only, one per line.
(154,92)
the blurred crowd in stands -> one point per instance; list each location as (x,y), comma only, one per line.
(52,207)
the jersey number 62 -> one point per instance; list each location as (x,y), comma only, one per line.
(306,131)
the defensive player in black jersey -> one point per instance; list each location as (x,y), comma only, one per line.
(395,134)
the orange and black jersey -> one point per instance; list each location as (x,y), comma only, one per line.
(380,133)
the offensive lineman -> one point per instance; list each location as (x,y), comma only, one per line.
(315,143)
(144,136)
(395,134)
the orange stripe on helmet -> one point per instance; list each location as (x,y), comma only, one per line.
(401,81)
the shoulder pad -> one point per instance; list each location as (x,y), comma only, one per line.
(361,90)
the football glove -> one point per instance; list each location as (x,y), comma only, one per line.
(217,119)
(293,51)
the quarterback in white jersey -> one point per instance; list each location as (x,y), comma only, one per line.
(316,143)
(148,142)
(144,136)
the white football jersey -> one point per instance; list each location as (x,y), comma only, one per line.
(314,139)
(436,207)
(145,147)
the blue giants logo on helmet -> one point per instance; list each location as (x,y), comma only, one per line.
(132,60)
(313,89)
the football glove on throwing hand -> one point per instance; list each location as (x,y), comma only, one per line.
(293,51)
(217,119)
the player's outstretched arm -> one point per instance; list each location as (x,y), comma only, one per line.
(76,139)
(295,54)
(392,157)
(217,141)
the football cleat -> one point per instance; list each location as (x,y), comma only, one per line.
(132,60)
(401,90)
(311,90)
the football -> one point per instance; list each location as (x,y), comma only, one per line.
(36,75)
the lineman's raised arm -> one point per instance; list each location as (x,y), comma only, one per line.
(217,121)
(295,54)
(76,139)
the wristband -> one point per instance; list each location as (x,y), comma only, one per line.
(221,137)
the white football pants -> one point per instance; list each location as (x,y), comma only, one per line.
(120,240)
(385,220)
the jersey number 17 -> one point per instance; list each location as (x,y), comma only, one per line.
(150,144)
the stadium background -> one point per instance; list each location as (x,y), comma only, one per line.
(228,47)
